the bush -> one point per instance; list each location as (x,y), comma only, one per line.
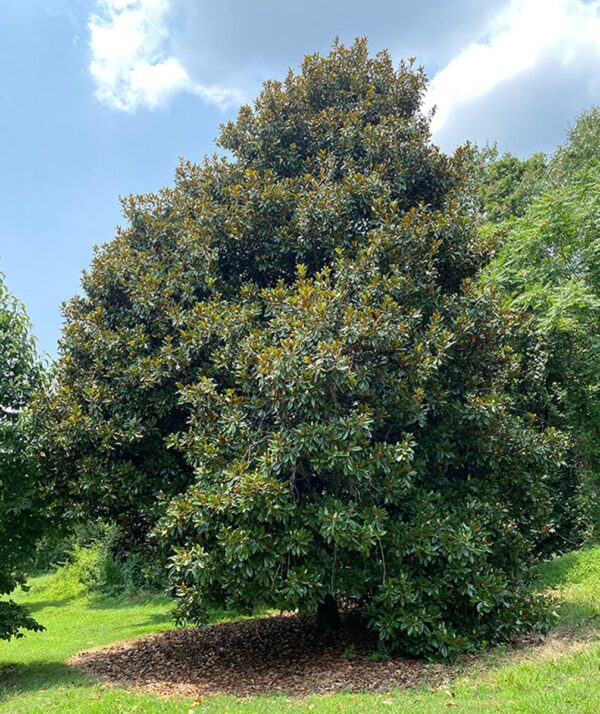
(57,546)
(87,563)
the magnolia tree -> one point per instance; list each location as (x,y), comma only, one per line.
(287,360)
(19,499)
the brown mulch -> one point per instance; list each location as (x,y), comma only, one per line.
(285,654)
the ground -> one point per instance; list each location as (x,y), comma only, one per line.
(39,672)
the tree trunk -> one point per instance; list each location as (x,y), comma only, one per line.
(328,616)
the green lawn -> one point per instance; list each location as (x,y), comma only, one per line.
(35,678)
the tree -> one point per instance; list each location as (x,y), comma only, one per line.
(507,184)
(292,346)
(19,503)
(580,151)
(548,270)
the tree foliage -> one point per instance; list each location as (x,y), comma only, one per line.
(20,516)
(507,184)
(287,357)
(548,270)
(581,151)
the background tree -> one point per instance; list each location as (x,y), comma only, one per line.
(20,517)
(581,151)
(548,270)
(508,184)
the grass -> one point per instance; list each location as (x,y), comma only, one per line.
(565,678)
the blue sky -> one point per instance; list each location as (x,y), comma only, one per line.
(100,98)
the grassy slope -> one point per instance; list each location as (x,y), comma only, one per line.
(567,680)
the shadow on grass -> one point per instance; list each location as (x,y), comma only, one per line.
(100,601)
(104,602)
(155,619)
(38,605)
(17,679)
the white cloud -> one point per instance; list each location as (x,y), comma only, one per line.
(527,34)
(530,67)
(131,65)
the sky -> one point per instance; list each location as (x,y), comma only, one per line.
(99,98)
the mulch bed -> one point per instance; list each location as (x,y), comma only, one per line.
(272,655)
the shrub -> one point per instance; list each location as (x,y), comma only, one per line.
(87,563)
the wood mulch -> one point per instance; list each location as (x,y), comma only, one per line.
(283,654)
